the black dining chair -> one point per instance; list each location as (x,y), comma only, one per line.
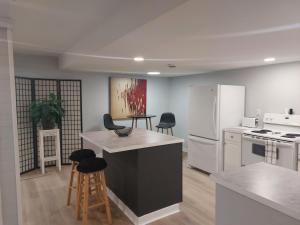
(167,121)
(109,123)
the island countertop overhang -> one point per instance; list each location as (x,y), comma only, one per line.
(139,139)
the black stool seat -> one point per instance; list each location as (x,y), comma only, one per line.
(91,165)
(81,154)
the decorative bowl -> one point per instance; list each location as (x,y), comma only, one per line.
(123,132)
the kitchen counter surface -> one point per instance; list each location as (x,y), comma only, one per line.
(139,138)
(239,130)
(273,186)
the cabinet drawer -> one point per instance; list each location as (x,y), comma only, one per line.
(233,137)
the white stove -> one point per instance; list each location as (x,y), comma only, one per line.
(274,135)
(281,129)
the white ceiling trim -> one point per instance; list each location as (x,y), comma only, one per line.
(269,30)
(195,35)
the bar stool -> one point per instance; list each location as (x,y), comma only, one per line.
(92,183)
(76,157)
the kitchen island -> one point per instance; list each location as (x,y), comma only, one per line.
(144,173)
(260,194)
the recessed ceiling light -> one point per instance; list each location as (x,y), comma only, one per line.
(271,59)
(153,73)
(139,59)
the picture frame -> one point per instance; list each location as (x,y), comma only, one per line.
(127,97)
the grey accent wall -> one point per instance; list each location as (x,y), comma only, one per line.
(268,88)
(95,96)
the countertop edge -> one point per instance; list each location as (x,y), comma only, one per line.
(238,130)
(133,147)
(90,140)
(218,179)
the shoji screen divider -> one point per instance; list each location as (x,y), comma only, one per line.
(30,89)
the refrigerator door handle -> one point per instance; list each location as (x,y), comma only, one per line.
(202,141)
(214,115)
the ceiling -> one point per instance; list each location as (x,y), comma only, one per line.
(195,35)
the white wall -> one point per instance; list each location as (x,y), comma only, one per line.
(95,92)
(269,88)
(9,172)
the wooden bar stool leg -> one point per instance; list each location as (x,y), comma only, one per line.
(106,200)
(70,188)
(79,195)
(172,131)
(90,185)
(98,187)
(136,122)
(168,131)
(85,199)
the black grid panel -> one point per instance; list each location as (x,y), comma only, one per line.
(25,129)
(71,126)
(70,93)
(42,90)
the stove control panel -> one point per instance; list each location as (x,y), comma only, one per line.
(282,119)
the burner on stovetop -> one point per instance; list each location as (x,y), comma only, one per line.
(263,131)
(290,135)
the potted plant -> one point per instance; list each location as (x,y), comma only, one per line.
(47,112)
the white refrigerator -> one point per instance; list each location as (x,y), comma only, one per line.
(211,109)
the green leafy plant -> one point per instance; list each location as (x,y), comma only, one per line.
(47,112)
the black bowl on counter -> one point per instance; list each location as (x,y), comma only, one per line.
(123,132)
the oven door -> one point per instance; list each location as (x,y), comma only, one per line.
(253,151)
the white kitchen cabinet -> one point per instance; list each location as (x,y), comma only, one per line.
(232,150)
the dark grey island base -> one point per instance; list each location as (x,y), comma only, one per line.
(144,172)
(146,179)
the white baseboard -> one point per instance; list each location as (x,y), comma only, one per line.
(1,219)
(145,219)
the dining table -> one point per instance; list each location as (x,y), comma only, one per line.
(147,117)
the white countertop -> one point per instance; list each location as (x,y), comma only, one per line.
(139,138)
(274,186)
(238,130)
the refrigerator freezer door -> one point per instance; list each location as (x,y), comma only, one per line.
(203,111)
(202,154)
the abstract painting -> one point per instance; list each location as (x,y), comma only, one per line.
(127,97)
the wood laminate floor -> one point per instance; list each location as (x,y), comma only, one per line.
(44,201)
